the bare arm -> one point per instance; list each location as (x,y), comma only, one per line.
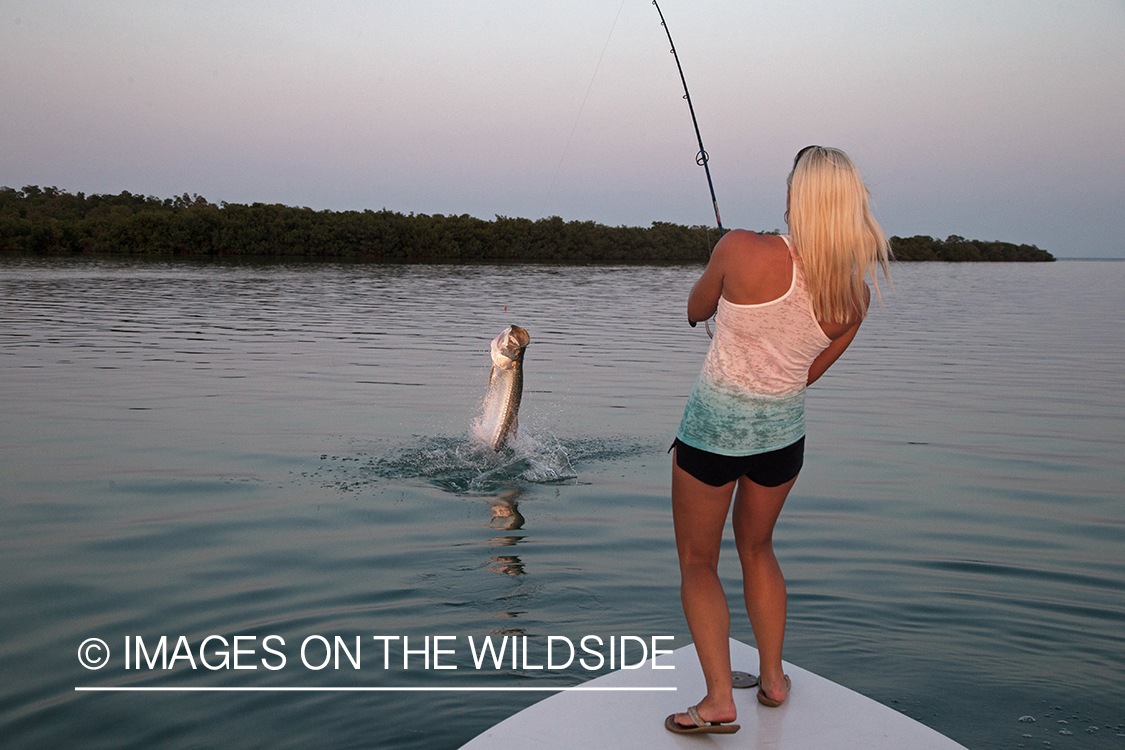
(839,344)
(737,259)
(704,297)
(825,359)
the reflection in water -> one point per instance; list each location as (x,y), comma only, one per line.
(509,565)
(505,541)
(505,511)
(507,517)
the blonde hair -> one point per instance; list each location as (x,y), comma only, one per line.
(837,239)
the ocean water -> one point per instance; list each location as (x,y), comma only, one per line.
(203,451)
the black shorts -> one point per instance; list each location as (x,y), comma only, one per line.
(767,469)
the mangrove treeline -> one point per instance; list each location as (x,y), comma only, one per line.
(49,220)
(959,249)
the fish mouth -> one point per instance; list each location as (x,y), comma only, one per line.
(509,345)
(516,338)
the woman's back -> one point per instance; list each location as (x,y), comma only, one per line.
(758,268)
(766,347)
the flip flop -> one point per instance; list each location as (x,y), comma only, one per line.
(765,700)
(701,726)
(743,680)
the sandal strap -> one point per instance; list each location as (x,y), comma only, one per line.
(693,713)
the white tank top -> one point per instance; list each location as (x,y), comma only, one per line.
(750,396)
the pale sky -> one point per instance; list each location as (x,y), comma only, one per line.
(990,119)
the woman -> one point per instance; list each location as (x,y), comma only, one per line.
(788,306)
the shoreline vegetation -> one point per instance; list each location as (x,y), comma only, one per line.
(52,221)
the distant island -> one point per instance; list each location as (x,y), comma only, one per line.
(959,249)
(49,220)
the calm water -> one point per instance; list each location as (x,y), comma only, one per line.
(275,449)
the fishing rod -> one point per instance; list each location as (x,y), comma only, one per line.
(701,158)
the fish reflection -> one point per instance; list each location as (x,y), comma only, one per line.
(505,511)
(509,631)
(509,565)
(505,516)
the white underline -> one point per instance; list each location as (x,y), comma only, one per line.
(365,689)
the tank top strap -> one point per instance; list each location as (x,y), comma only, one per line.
(789,243)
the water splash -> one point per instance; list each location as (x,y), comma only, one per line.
(463,466)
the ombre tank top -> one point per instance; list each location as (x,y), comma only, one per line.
(750,397)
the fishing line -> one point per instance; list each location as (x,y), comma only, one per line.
(579,117)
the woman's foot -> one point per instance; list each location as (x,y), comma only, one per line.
(696,724)
(772,694)
(708,712)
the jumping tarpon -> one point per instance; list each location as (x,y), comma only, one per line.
(505,387)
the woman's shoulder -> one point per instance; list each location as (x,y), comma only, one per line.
(752,251)
(743,241)
(755,267)
(747,237)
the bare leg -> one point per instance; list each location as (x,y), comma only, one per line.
(699,513)
(756,509)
